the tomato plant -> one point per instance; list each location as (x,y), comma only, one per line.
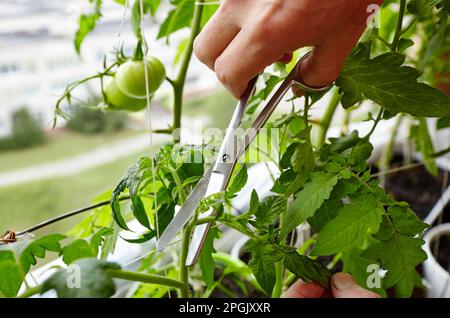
(327,184)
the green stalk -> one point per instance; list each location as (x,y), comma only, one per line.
(375,124)
(145,278)
(328,116)
(279,270)
(184,270)
(398,31)
(179,82)
(387,155)
(278,288)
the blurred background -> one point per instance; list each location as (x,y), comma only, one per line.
(45,171)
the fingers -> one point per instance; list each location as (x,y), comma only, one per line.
(215,37)
(324,65)
(245,57)
(344,286)
(305,290)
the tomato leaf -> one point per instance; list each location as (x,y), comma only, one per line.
(422,8)
(87,23)
(308,200)
(386,81)
(238,182)
(307,269)
(11,274)
(443,123)
(76,250)
(354,223)
(147,6)
(399,256)
(17,258)
(87,278)
(178,18)
(264,256)
(206,260)
(268,211)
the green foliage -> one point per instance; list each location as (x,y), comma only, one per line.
(26,132)
(264,257)
(89,121)
(239,181)
(16,260)
(307,269)
(149,6)
(386,81)
(87,23)
(422,8)
(309,200)
(424,145)
(83,249)
(178,18)
(351,227)
(206,261)
(176,171)
(89,273)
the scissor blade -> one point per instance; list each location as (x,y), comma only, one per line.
(198,238)
(186,211)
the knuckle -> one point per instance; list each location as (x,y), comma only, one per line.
(222,72)
(199,50)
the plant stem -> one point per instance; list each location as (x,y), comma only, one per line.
(278,289)
(375,124)
(145,278)
(407,167)
(207,219)
(440,153)
(346,122)
(306,106)
(334,261)
(74,85)
(226,291)
(388,151)
(178,83)
(398,31)
(68,215)
(184,270)
(328,117)
(279,268)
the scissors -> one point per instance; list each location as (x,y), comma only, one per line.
(216,178)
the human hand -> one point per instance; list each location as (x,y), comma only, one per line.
(342,286)
(245,36)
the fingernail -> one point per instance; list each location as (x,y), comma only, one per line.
(342,281)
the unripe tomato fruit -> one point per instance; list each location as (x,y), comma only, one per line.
(130,77)
(118,100)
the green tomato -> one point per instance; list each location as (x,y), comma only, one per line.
(117,100)
(130,77)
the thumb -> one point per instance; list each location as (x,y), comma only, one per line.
(343,285)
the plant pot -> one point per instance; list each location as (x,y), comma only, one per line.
(437,277)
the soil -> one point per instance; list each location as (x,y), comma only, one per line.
(417,187)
